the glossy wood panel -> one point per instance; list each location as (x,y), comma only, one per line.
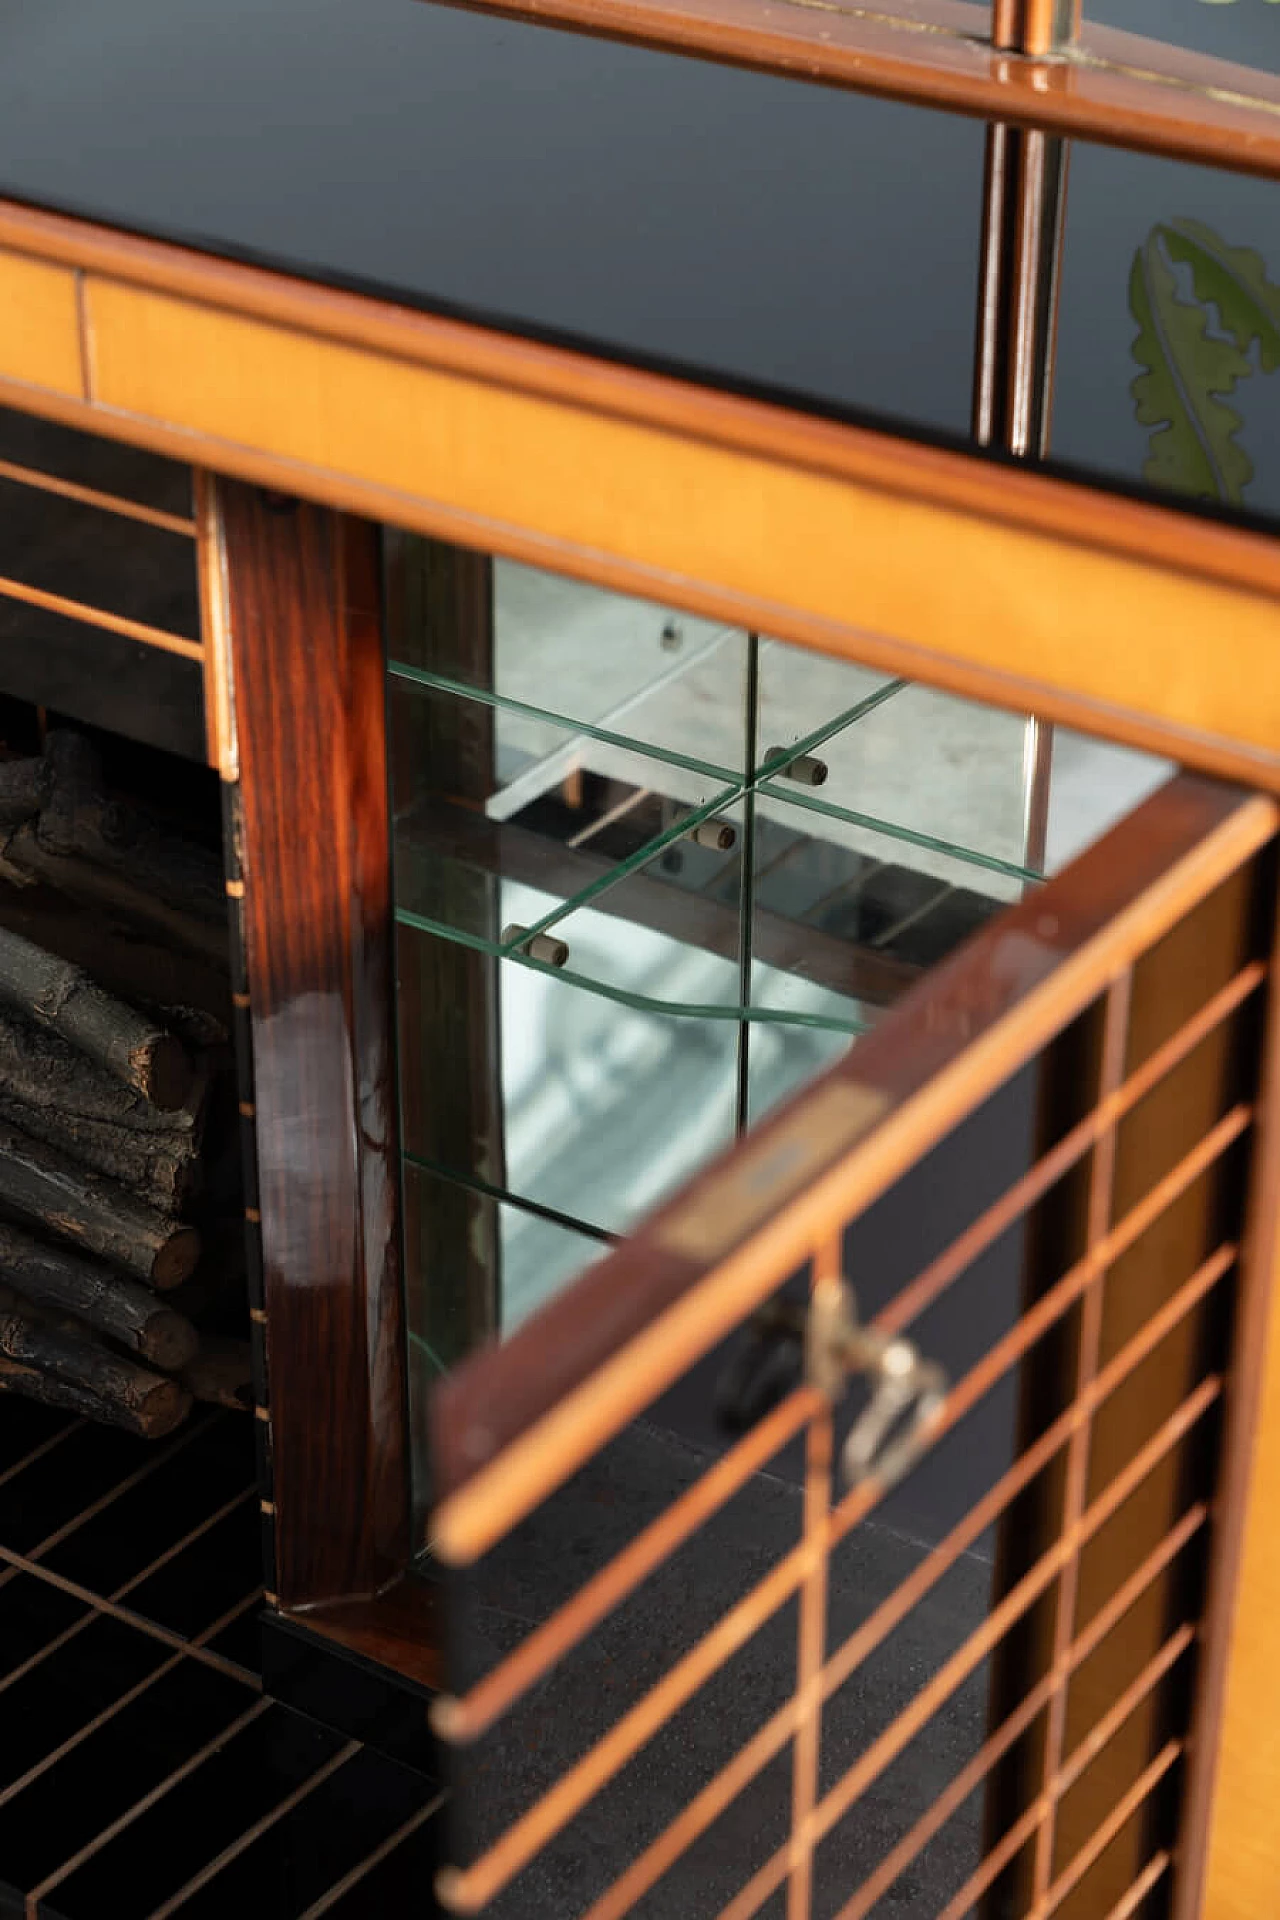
(1039,594)
(815,534)
(39,324)
(303,604)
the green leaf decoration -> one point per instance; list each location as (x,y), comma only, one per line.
(1234,280)
(1182,390)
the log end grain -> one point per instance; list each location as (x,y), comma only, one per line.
(167,1340)
(162,1409)
(222,1374)
(153,1416)
(164,1072)
(175,1261)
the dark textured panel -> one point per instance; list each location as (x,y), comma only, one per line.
(88,461)
(165,1847)
(348,1693)
(84,553)
(1246,33)
(104,1775)
(102,678)
(327,1834)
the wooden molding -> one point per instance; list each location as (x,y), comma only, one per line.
(1130,620)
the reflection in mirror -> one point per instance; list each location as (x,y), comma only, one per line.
(1169,328)
(652,877)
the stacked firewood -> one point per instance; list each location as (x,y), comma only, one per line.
(105,1100)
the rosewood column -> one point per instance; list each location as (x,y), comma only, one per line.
(301,595)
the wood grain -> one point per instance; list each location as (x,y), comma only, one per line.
(303,598)
(1045,596)
(1127,91)
(1233,1864)
(813,532)
(39,324)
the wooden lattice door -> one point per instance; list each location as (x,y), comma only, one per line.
(936,1627)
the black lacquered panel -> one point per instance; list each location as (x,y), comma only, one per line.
(105,679)
(662,209)
(105,466)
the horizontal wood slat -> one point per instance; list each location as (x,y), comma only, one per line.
(94,497)
(791,526)
(1119,88)
(1038,595)
(100,617)
(469,1891)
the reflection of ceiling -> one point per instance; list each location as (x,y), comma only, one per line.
(607,1111)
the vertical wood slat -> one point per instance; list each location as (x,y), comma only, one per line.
(304,605)
(1227,1868)
(215,628)
(812,1627)
(1115,1035)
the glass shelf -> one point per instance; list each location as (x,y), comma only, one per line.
(651,877)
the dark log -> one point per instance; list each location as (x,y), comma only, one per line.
(221,1375)
(63,998)
(26,860)
(31,1384)
(108,853)
(55,1093)
(93,1212)
(79,817)
(24,788)
(136,962)
(161,1168)
(62,1282)
(42,1070)
(104,1387)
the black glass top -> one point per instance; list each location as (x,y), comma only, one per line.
(662,209)
(752,231)
(1245,31)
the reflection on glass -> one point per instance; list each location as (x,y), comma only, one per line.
(653,877)
(1202,331)
(1168,342)
(1243,31)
